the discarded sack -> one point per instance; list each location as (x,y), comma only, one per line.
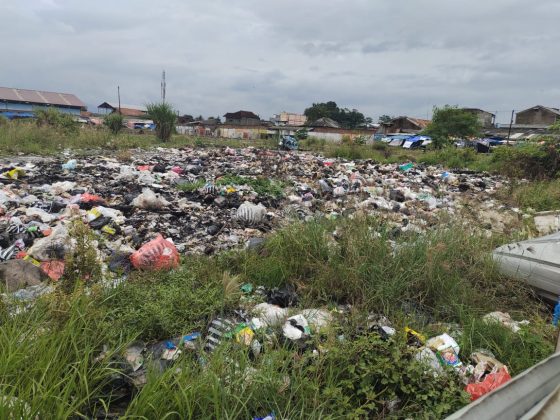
(149,200)
(490,382)
(18,274)
(505,320)
(251,213)
(157,254)
(296,328)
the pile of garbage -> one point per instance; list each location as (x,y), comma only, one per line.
(268,319)
(156,205)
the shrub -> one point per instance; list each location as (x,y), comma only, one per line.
(450,157)
(53,118)
(164,117)
(3,120)
(534,161)
(372,378)
(114,122)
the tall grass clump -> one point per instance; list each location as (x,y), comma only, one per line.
(164,117)
(114,122)
(53,118)
(49,360)
(531,160)
(362,262)
(537,195)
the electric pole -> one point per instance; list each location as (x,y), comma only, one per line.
(163,86)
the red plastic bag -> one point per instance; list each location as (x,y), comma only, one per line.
(490,382)
(90,198)
(53,268)
(158,254)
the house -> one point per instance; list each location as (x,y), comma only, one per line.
(242,118)
(245,132)
(485,118)
(127,111)
(17,102)
(201,128)
(289,119)
(325,122)
(405,124)
(537,115)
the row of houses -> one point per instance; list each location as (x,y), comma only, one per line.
(21,103)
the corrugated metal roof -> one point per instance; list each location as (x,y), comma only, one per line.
(115,105)
(40,97)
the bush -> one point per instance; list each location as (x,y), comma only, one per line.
(533,161)
(3,121)
(114,122)
(51,117)
(372,378)
(450,157)
(163,305)
(164,117)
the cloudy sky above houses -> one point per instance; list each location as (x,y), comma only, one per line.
(378,56)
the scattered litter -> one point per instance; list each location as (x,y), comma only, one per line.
(505,320)
(490,382)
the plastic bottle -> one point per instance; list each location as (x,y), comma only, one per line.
(556,316)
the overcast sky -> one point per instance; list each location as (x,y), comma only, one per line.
(379,56)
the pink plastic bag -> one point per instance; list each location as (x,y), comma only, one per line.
(158,254)
(490,382)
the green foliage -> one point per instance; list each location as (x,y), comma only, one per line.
(450,157)
(114,122)
(529,346)
(3,120)
(374,378)
(261,185)
(442,271)
(555,128)
(82,264)
(191,186)
(48,359)
(451,122)
(385,119)
(530,160)
(345,117)
(537,195)
(164,117)
(162,305)
(53,118)
(301,134)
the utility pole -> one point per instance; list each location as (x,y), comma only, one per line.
(119,96)
(510,124)
(163,87)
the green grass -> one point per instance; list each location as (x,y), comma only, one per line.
(537,195)
(191,186)
(48,354)
(28,138)
(261,185)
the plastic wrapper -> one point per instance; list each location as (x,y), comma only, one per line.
(158,254)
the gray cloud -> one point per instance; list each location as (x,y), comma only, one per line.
(382,57)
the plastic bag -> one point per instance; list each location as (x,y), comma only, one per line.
(149,200)
(53,268)
(490,383)
(158,254)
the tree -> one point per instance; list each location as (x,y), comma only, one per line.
(451,122)
(164,118)
(345,117)
(114,122)
(385,119)
(185,119)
